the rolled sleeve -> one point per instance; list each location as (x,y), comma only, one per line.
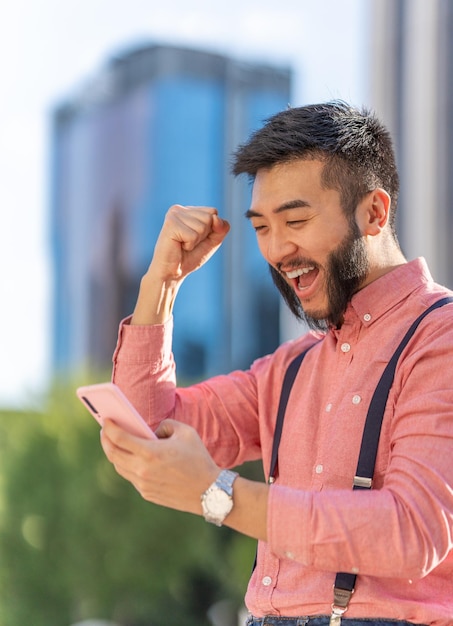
(144,368)
(144,344)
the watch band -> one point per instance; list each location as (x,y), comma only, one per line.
(225,481)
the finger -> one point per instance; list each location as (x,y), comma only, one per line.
(199,209)
(119,438)
(212,236)
(192,215)
(191,225)
(126,461)
(193,230)
(111,449)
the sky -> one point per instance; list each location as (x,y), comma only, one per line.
(49,48)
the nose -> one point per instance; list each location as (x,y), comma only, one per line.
(279,247)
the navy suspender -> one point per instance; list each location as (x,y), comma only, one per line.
(372,429)
(345,582)
(288,381)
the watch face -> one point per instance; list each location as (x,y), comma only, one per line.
(218,502)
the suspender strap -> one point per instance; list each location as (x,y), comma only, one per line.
(288,381)
(372,429)
(345,582)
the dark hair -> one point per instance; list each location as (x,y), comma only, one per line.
(355,146)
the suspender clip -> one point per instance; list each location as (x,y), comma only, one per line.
(340,604)
(360,482)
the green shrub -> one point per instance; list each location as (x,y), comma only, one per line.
(77,541)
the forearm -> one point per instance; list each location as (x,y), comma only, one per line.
(375,532)
(155,300)
(249,514)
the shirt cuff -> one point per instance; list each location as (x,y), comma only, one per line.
(151,344)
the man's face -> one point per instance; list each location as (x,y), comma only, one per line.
(306,238)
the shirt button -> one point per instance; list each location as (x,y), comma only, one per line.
(267,580)
(329,407)
(367,317)
(319,469)
(345,347)
(356,399)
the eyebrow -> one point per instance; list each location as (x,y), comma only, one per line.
(286,206)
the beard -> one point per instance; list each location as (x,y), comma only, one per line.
(346,268)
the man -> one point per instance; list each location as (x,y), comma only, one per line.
(325,191)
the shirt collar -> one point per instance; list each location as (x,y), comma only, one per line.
(374,300)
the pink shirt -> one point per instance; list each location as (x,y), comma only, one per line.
(398,537)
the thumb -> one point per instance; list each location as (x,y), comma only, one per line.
(220,229)
(167,428)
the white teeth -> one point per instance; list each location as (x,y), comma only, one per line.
(299,272)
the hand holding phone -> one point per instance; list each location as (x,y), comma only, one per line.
(106,400)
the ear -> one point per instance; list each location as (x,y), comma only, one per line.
(372,213)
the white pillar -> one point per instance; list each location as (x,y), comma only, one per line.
(420,183)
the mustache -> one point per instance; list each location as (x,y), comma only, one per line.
(293,264)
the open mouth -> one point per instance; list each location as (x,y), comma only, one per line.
(303,278)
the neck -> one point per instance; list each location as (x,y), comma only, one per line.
(384,260)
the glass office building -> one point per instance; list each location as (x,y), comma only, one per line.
(157,126)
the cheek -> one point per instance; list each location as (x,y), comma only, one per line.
(330,242)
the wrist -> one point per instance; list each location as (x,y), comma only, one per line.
(155,300)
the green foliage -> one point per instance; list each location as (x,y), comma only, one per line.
(77,541)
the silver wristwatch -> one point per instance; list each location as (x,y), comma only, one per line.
(217,500)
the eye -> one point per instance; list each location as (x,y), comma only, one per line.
(296,222)
(259,227)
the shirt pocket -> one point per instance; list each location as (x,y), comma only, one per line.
(341,439)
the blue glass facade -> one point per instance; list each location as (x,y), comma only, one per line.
(156,129)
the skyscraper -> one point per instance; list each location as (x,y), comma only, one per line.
(157,126)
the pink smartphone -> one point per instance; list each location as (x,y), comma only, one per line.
(106,400)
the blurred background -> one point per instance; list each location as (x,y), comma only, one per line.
(110,113)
